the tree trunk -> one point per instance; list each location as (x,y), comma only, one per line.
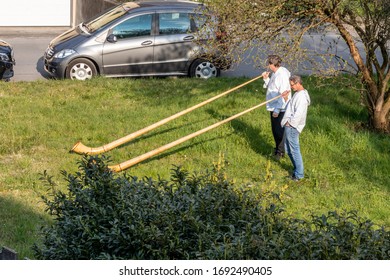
(381,121)
(380,111)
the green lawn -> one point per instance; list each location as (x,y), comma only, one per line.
(346,165)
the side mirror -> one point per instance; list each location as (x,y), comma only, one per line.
(112,38)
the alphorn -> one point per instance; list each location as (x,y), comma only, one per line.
(124,165)
(80,148)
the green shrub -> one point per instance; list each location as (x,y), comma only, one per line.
(199,216)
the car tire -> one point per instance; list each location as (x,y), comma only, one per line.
(81,69)
(204,69)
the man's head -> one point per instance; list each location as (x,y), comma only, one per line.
(296,83)
(274,62)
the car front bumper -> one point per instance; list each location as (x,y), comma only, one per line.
(55,68)
(6,70)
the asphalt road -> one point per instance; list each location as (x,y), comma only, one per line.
(28,56)
(30,44)
(29,52)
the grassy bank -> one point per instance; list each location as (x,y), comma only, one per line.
(346,166)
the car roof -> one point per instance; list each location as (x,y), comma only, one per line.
(161,4)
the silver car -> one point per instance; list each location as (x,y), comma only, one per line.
(141,38)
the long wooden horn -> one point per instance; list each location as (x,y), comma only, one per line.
(80,148)
(124,165)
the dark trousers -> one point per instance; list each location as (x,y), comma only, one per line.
(278,133)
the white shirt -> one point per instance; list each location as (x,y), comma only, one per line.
(296,110)
(276,85)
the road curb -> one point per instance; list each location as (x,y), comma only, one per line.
(27,31)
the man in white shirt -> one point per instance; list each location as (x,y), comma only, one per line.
(294,121)
(276,83)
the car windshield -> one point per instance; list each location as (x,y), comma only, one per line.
(105,18)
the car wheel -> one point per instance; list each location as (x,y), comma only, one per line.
(204,69)
(81,69)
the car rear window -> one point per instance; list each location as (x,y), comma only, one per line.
(174,23)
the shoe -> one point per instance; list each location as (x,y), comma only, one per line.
(296,179)
(293,178)
(278,156)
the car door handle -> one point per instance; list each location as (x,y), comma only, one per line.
(146,43)
(189,38)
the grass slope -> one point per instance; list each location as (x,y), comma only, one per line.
(346,166)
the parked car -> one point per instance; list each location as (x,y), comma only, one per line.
(140,38)
(7,61)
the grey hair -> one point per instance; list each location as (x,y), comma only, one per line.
(296,79)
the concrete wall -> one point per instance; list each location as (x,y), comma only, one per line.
(45,13)
(35,13)
(86,9)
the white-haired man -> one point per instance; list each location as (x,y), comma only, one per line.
(294,120)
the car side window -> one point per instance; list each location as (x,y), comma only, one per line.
(174,23)
(134,27)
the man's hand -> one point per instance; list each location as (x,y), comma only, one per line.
(285,94)
(265,74)
(275,115)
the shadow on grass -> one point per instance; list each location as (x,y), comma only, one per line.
(19,227)
(253,135)
(178,150)
(257,142)
(154,134)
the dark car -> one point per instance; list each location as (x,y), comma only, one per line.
(7,61)
(140,38)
